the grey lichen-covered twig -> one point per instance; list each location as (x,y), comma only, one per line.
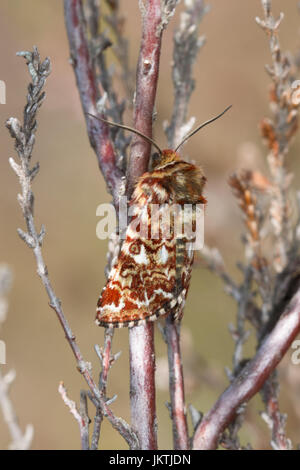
(106,359)
(19,440)
(89,43)
(24,136)
(187,44)
(81,416)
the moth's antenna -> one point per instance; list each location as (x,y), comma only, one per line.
(201,127)
(121,126)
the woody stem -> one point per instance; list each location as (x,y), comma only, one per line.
(141,338)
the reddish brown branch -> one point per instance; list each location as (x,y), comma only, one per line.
(98,131)
(187,44)
(142,359)
(176,385)
(142,385)
(251,378)
(146,84)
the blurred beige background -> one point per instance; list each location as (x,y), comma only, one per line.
(229,70)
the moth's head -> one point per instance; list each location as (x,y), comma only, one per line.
(160,160)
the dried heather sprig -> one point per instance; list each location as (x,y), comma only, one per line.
(240,182)
(278,132)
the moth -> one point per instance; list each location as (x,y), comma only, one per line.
(151,275)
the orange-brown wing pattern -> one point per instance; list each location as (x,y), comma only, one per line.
(152,274)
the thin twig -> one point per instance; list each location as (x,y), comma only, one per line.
(24,136)
(187,44)
(81,417)
(106,360)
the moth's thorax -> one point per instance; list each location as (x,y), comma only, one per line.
(167,156)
